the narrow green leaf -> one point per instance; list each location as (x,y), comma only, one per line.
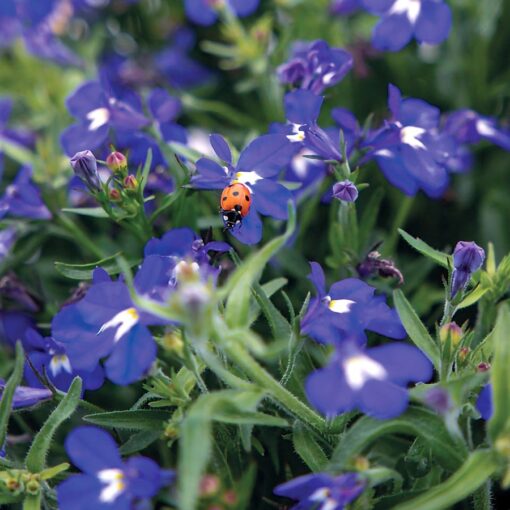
(307,448)
(499,373)
(140,419)
(139,441)
(146,170)
(51,472)
(36,457)
(369,217)
(94,212)
(415,422)
(234,417)
(16,152)
(85,271)
(280,327)
(421,246)
(32,501)
(9,389)
(415,328)
(238,288)
(479,466)
(185,151)
(472,297)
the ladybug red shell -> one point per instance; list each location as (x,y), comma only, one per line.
(235,204)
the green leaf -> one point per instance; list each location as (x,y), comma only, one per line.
(499,373)
(415,422)
(94,212)
(36,458)
(9,389)
(85,271)
(238,288)
(9,499)
(307,448)
(415,329)
(139,441)
(280,327)
(472,297)
(16,152)
(479,466)
(146,170)
(52,472)
(369,217)
(437,256)
(185,151)
(140,419)
(32,502)
(195,445)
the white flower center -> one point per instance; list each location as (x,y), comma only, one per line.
(247,178)
(484,128)
(409,135)
(339,305)
(59,363)
(328,78)
(123,321)
(298,135)
(320,494)
(359,369)
(114,480)
(98,117)
(411,8)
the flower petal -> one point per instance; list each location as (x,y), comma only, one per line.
(382,399)
(434,22)
(270,198)
(221,148)
(250,230)
(392,32)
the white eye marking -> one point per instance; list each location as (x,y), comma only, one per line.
(114,480)
(411,8)
(484,128)
(339,305)
(125,319)
(359,369)
(98,117)
(409,135)
(298,135)
(58,363)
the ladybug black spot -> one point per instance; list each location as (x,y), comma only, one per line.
(224,198)
(236,193)
(247,198)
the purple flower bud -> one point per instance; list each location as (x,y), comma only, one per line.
(467,258)
(85,167)
(438,399)
(345,191)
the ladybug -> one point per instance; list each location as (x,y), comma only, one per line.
(235,204)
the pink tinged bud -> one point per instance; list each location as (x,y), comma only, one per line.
(463,353)
(130,183)
(483,366)
(452,331)
(230,497)
(114,195)
(116,161)
(209,485)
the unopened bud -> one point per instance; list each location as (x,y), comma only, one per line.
(114,195)
(116,161)
(230,497)
(452,331)
(209,486)
(463,353)
(85,167)
(361,463)
(33,487)
(483,366)
(171,431)
(173,342)
(130,183)
(502,446)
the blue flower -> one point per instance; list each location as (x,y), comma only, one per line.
(205,12)
(468,257)
(258,165)
(165,109)
(345,7)
(371,380)
(13,326)
(302,109)
(106,480)
(23,199)
(7,240)
(469,127)
(25,396)
(484,402)
(321,491)
(346,311)
(50,358)
(98,108)
(429,21)
(410,150)
(315,66)
(14,136)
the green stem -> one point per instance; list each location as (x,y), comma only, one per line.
(80,236)
(399,222)
(32,502)
(259,375)
(482,497)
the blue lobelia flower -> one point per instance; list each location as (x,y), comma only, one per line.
(258,165)
(469,127)
(25,396)
(429,21)
(371,380)
(49,357)
(98,107)
(346,311)
(322,491)
(12,136)
(345,7)
(410,150)
(205,12)
(39,24)
(23,199)
(14,325)
(468,257)
(165,109)
(7,240)
(106,323)
(315,66)
(484,402)
(106,480)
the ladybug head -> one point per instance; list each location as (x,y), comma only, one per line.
(231,218)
